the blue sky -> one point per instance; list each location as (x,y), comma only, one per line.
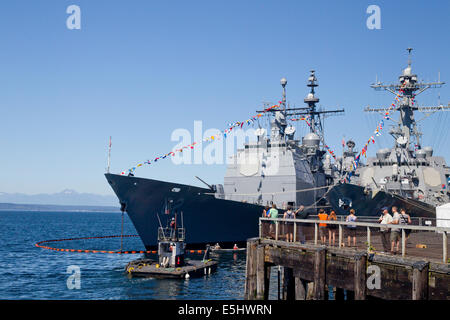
(137,70)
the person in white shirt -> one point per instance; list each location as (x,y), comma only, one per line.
(385,232)
(395,233)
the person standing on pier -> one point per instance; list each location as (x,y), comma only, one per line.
(289,214)
(385,232)
(351,228)
(401,218)
(395,233)
(273,214)
(332,228)
(323,226)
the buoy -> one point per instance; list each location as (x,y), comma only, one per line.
(235,247)
(187,276)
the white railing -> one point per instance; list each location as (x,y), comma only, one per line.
(368,225)
(171,234)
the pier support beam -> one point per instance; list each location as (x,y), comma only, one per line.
(319,274)
(360,276)
(301,289)
(250,281)
(420,281)
(309,268)
(262,275)
(288,284)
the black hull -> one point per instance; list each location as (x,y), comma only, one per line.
(206,218)
(345,196)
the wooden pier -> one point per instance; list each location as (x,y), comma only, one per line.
(310,269)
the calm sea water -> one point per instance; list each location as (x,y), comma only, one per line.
(28,272)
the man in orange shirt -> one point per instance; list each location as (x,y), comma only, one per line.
(322,226)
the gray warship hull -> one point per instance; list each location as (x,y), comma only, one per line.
(346,196)
(207,219)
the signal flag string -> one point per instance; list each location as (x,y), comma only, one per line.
(211,138)
(377,131)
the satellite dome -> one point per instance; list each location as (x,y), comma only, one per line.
(407,71)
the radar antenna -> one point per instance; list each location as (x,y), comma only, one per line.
(314,115)
(409,87)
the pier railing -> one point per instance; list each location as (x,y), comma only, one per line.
(412,240)
(416,221)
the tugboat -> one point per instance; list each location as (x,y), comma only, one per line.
(276,169)
(407,175)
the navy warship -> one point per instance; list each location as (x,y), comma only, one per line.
(407,175)
(275,169)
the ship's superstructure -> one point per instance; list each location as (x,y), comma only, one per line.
(279,169)
(408,173)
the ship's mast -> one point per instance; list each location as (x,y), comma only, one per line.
(314,115)
(408,88)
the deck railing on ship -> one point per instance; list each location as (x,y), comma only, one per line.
(171,234)
(415,240)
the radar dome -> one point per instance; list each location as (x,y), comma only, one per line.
(407,71)
(311,140)
(428,151)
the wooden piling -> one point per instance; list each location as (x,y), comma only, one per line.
(250,281)
(319,274)
(360,276)
(420,280)
(262,275)
(301,289)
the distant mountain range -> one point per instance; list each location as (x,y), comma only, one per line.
(66,197)
(55,207)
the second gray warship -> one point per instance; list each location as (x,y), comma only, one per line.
(408,175)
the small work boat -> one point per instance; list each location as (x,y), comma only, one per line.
(171,258)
